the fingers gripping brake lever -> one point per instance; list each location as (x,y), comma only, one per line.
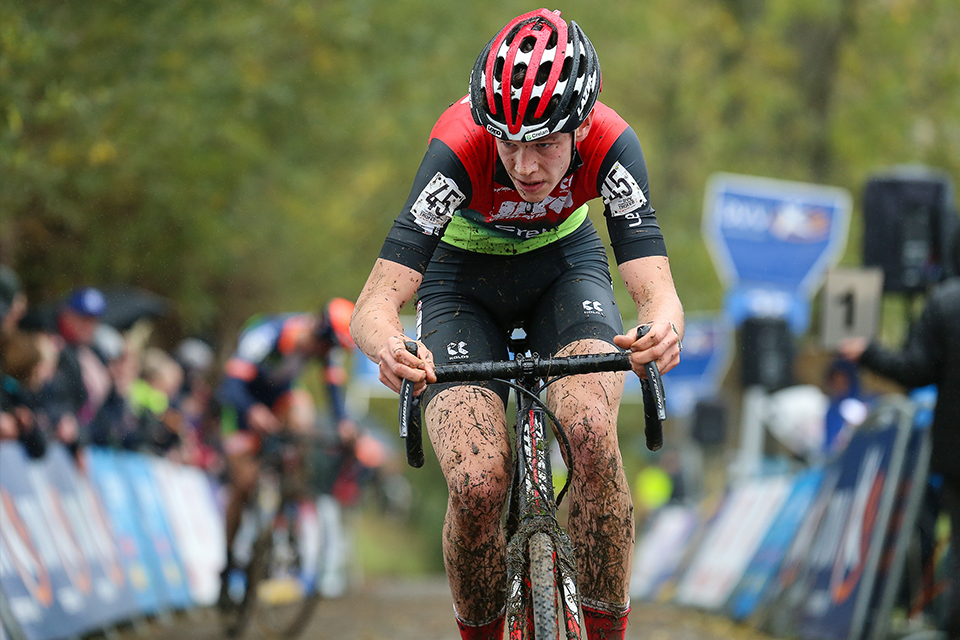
(410,424)
(654,401)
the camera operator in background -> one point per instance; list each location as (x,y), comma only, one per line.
(931,356)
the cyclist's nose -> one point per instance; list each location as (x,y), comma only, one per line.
(525,162)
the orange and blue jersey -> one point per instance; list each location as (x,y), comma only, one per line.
(266,365)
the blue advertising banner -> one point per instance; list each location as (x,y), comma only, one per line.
(59,570)
(846,553)
(765,564)
(132,544)
(661,550)
(776,236)
(902,526)
(162,555)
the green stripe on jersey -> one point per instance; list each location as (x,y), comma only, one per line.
(470,236)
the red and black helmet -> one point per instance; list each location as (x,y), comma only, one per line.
(537,76)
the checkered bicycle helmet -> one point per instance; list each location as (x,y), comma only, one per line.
(549,70)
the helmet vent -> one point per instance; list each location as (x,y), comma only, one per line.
(519,74)
(543,73)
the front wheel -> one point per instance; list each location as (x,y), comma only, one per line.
(543,587)
(238,604)
(288,589)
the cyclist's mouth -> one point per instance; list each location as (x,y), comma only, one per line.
(529,187)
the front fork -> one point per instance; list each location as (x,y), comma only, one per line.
(532,508)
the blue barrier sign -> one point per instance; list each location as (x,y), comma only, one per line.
(845,557)
(763,568)
(59,568)
(132,545)
(777,236)
(161,551)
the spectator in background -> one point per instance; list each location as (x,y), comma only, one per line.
(195,399)
(115,424)
(81,382)
(26,362)
(847,407)
(13,301)
(931,355)
(153,398)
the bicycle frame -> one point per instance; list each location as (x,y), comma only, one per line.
(275,541)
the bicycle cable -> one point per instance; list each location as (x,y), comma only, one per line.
(559,430)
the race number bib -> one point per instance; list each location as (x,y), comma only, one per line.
(621,193)
(436,204)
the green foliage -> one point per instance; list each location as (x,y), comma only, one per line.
(248,156)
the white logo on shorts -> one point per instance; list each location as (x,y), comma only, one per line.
(457,350)
(592,307)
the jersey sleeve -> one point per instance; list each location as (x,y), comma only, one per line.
(253,346)
(624,186)
(441,187)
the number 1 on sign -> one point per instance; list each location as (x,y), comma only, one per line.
(851,307)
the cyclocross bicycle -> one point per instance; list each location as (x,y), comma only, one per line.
(279,548)
(542,594)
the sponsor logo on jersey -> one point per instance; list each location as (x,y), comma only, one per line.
(533,211)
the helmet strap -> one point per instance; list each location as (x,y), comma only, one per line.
(575,160)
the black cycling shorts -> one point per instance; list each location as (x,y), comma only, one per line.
(469,303)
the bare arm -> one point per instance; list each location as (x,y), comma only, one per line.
(650,284)
(378,332)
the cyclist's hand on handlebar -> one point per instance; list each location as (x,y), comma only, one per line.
(398,364)
(262,419)
(660,344)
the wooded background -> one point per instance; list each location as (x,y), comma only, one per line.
(247,156)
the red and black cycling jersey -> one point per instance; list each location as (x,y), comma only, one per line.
(463,195)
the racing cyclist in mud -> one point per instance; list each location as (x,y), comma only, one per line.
(494,233)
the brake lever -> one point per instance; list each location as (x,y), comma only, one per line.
(654,401)
(410,422)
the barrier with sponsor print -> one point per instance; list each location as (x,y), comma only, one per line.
(816,555)
(129,535)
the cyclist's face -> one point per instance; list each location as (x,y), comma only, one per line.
(536,168)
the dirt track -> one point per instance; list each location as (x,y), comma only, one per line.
(420,609)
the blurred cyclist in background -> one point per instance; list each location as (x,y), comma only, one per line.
(258,394)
